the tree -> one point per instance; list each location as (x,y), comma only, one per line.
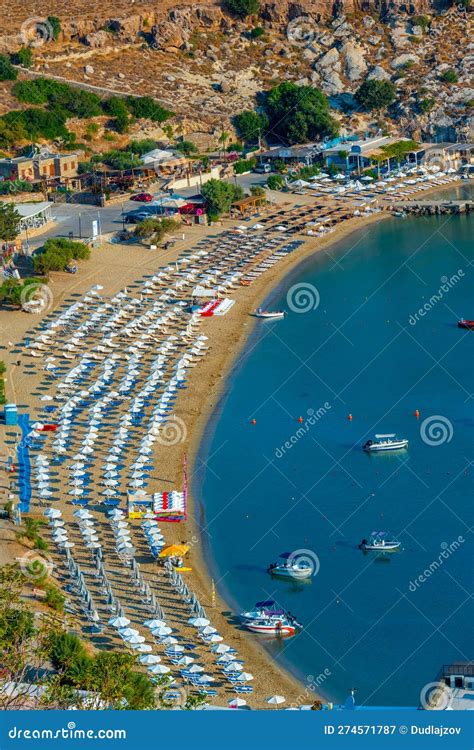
(7,71)
(251,125)
(23,57)
(375,94)
(243,8)
(219,195)
(299,113)
(186,147)
(9,222)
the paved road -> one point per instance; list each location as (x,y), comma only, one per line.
(77,219)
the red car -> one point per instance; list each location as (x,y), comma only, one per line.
(142,197)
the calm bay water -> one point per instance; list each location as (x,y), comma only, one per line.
(368,622)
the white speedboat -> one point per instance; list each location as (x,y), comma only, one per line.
(279,627)
(268,314)
(379,541)
(292,568)
(388,442)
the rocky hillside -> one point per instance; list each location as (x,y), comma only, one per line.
(207,66)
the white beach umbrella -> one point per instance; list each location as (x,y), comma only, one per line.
(66,545)
(185,661)
(53,513)
(214,638)
(233,666)
(275,700)
(127,632)
(245,677)
(143,648)
(149,659)
(119,622)
(199,622)
(134,639)
(83,514)
(154,624)
(175,649)
(237,702)
(195,669)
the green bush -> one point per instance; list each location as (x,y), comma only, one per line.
(422,21)
(450,76)
(57,253)
(186,147)
(243,8)
(156,228)
(54,598)
(375,94)
(24,57)
(244,165)
(257,32)
(117,107)
(144,107)
(141,146)
(64,649)
(275,181)
(55,25)
(7,71)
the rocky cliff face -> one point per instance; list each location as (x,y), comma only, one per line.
(172,23)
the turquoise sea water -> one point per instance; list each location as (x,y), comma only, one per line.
(369,623)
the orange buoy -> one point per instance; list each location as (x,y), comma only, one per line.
(349,417)
(300,419)
(254,421)
(417,413)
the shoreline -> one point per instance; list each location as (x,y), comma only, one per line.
(266,287)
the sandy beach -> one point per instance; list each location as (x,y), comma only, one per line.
(116,266)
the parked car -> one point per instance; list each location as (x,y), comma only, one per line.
(142,197)
(263,168)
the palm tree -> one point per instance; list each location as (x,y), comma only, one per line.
(223,138)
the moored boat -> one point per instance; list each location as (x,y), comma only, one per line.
(388,442)
(259,313)
(469,324)
(379,541)
(292,568)
(280,627)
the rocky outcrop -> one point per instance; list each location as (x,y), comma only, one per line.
(355,65)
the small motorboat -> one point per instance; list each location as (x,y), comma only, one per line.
(293,568)
(268,314)
(388,442)
(379,541)
(469,324)
(265,609)
(280,627)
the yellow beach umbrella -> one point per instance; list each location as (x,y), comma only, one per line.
(174,550)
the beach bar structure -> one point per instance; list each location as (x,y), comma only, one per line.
(164,506)
(33,215)
(247,206)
